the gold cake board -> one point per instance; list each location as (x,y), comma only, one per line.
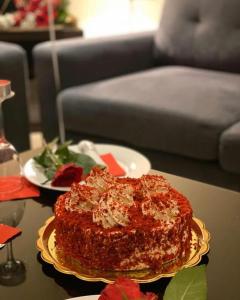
(46,245)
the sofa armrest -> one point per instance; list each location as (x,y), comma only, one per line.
(13,67)
(230,149)
(83,61)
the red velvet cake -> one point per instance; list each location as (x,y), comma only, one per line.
(123,224)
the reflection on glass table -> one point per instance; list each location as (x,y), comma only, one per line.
(12,271)
(7,150)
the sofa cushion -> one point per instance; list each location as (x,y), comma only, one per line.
(200,33)
(230,149)
(173,109)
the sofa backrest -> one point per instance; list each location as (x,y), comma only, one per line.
(200,33)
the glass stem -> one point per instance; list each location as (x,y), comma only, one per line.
(1,121)
(10,257)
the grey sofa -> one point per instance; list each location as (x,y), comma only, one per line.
(173,94)
(16,122)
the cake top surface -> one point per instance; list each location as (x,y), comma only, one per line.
(112,202)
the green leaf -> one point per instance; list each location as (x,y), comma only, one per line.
(82,160)
(44,159)
(50,172)
(188,284)
(63,153)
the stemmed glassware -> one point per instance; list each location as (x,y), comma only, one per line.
(7,150)
(12,271)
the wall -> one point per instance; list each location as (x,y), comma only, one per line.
(108,17)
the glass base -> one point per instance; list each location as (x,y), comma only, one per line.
(12,272)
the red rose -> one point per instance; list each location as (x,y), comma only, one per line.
(125,289)
(56,2)
(41,19)
(150,296)
(67,174)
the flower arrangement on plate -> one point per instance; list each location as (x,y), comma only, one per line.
(63,166)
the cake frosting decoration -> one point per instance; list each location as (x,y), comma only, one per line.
(123,224)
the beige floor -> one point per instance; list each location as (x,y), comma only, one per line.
(36,139)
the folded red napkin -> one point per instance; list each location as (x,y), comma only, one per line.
(28,190)
(113,167)
(7,232)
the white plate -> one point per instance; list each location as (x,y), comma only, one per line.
(90,297)
(134,163)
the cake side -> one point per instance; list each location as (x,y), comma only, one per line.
(123,224)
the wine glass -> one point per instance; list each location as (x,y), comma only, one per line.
(7,150)
(12,271)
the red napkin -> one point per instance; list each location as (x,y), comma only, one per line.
(7,232)
(28,190)
(113,167)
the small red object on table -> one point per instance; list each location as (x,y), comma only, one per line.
(28,190)
(8,232)
(113,167)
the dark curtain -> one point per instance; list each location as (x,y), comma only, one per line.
(10,7)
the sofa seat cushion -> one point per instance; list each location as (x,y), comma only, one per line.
(230,149)
(174,109)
